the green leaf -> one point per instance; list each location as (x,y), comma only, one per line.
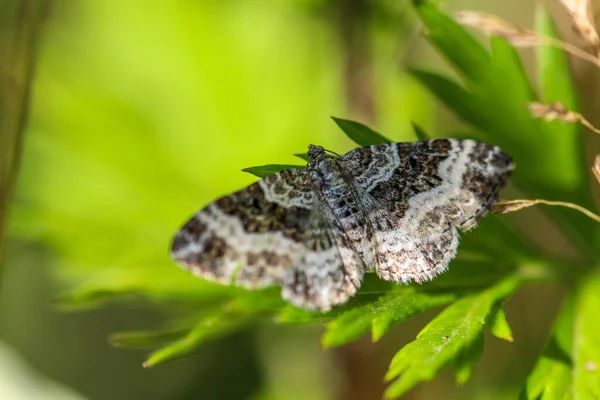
(302,156)
(466,360)
(553,62)
(454,96)
(404,305)
(555,84)
(217,324)
(379,313)
(495,99)
(259,301)
(506,93)
(454,331)
(262,171)
(159,285)
(350,324)
(586,340)
(462,51)
(498,324)
(294,315)
(359,133)
(141,339)
(552,375)
(421,134)
(468,275)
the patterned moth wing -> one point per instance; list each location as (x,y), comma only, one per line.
(275,231)
(252,237)
(416,195)
(393,207)
(331,271)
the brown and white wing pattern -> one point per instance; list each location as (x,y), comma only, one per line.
(394,207)
(330,271)
(416,195)
(273,232)
(252,237)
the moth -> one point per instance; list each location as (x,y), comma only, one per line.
(393,208)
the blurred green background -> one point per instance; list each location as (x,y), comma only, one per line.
(144,111)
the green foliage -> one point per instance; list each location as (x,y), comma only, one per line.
(455,334)
(586,347)
(494,99)
(498,325)
(569,366)
(420,133)
(379,315)
(493,261)
(552,376)
(360,134)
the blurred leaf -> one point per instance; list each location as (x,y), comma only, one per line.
(454,96)
(454,331)
(21,26)
(550,162)
(586,343)
(508,244)
(142,339)
(164,284)
(464,53)
(262,171)
(552,375)
(498,324)
(551,63)
(258,301)
(421,134)
(466,360)
(499,92)
(218,324)
(294,315)
(359,133)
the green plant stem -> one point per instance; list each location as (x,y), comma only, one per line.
(17,59)
(357,360)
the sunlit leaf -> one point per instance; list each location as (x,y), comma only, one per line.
(379,313)
(454,331)
(498,324)
(466,360)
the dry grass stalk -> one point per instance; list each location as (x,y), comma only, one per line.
(505,207)
(596,168)
(492,25)
(518,36)
(583,24)
(557,111)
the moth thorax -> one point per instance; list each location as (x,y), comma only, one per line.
(326,171)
